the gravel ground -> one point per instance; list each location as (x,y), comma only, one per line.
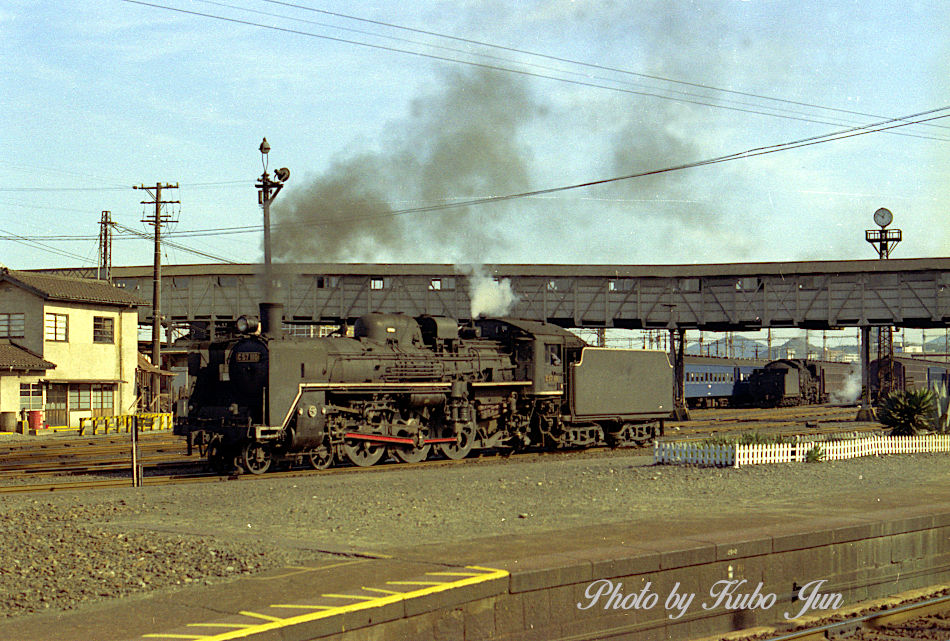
(63,550)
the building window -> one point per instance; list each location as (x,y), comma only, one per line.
(12,325)
(102,400)
(103,329)
(80,397)
(377,283)
(435,285)
(31,396)
(57,327)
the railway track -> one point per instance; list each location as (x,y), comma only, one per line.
(785,421)
(927,619)
(200,475)
(56,463)
(76,454)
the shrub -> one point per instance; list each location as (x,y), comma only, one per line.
(907,412)
(815,454)
(749,438)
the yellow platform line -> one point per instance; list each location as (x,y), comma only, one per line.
(191,637)
(304,607)
(220,625)
(358,597)
(300,569)
(260,616)
(381,590)
(488,574)
(452,573)
(417,582)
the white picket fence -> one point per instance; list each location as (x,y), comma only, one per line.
(835,450)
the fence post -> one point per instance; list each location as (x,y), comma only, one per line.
(135,451)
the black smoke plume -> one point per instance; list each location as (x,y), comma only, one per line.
(458,144)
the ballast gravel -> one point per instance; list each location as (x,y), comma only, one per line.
(64,550)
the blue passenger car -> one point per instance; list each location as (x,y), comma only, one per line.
(718,382)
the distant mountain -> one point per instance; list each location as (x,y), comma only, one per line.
(742,347)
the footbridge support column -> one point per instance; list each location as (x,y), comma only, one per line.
(866,412)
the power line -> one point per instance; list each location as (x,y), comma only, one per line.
(569,60)
(750,153)
(220,183)
(885,125)
(185,248)
(537,66)
(35,245)
(480,65)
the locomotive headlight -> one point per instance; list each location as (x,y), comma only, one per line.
(247,324)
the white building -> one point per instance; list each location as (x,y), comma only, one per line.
(86,332)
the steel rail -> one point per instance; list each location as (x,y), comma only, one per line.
(872,622)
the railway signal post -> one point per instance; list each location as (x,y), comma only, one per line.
(267,191)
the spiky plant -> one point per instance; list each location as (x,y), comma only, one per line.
(907,412)
(815,454)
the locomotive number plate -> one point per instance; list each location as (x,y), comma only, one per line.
(248,357)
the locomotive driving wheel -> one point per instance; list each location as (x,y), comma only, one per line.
(255,458)
(414,453)
(220,457)
(363,453)
(462,446)
(320,457)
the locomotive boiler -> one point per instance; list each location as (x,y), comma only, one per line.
(408,388)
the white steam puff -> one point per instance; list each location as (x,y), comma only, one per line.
(489,297)
(851,389)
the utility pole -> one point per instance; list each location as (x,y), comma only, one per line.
(105,247)
(157,221)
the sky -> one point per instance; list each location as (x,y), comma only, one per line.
(392,115)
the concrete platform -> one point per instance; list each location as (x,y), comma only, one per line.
(531,586)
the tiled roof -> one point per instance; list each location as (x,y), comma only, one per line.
(83,290)
(14,357)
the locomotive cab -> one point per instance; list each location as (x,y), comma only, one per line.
(541,351)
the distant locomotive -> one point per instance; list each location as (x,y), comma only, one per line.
(906,373)
(796,381)
(410,387)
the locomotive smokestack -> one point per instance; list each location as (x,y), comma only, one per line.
(272,319)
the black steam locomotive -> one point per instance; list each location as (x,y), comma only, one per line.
(796,381)
(409,387)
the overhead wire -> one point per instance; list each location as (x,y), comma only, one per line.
(537,66)
(481,65)
(861,130)
(568,60)
(42,247)
(749,153)
(170,243)
(930,115)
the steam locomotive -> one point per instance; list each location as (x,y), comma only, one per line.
(412,387)
(796,381)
